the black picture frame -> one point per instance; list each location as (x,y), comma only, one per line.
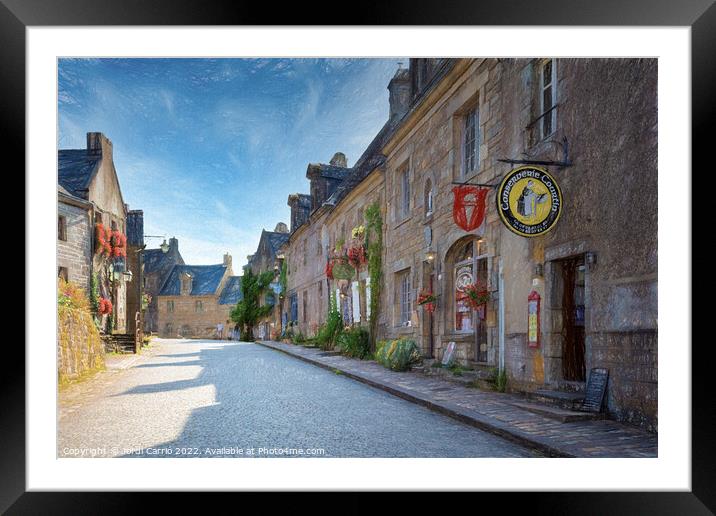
(700,15)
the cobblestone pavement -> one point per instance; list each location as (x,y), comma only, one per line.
(491,411)
(188,398)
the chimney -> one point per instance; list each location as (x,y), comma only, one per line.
(281,228)
(99,145)
(227,260)
(135,228)
(399,93)
(339,160)
(173,245)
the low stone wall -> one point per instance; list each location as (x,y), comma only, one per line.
(79,348)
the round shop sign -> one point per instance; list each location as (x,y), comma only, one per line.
(529,201)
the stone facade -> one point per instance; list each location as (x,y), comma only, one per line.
(74,239)
(156,266)
(195,299)
(610,185)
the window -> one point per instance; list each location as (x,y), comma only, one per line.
(428,202)
(404,175)
(62,273)
(548,98)
(98,217)
(170,306)
(305,306)
(294,306)
(470,142)
(404,303)
(61,228)
(198,306)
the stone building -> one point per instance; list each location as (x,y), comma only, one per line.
(472,121)
(322,224)
(269,258)
(89,194)
(196,300)
(156,265)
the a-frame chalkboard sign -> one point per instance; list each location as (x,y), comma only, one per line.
(596,386)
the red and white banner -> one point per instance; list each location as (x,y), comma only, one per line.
(468,209)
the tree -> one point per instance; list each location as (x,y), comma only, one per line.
(249,310)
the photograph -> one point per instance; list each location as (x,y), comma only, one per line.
(358,257)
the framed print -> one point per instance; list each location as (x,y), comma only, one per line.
(270,238)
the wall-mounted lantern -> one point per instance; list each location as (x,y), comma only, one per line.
(430,256)
(539,270)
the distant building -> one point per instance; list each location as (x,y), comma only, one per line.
(157,265)
(196,300)
(268,258)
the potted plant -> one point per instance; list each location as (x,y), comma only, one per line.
(477,296)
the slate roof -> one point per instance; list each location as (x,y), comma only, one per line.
(154,259)
(369,161)
(75,170)
(276,240)
(232,293)
(205,279)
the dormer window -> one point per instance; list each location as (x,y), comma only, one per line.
(186,284)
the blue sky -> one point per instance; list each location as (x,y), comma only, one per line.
(211,148)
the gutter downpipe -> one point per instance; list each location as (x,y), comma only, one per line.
(501,322)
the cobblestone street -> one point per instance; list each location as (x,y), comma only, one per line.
(192,398)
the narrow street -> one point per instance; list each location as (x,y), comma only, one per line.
(207,398)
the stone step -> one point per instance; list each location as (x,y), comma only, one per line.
(556,413)
(561,399)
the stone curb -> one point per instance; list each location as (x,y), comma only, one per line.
(448,409)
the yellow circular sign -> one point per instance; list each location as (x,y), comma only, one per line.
(529,201)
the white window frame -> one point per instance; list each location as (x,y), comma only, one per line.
(465,170)
(542,87)
(404,298)
(429,200)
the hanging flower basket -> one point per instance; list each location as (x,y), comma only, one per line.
(105,306)
(342,270)
(357,257)
(477,295)
(103,238)
(427,300)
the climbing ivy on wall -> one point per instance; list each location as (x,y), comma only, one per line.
(374,247)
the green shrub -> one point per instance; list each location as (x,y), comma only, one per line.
(328,333)
(300,338)
(398,355)
(501,381)
(354,342)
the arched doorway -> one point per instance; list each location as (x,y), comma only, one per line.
(467,264)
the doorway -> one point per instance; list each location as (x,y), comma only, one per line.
(573,316)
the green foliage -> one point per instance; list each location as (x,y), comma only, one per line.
(249,310)
(328,333)
(374,248)
(94,294)
(300,338)
(456,369)
(501,381)
(355,342)
(398,355)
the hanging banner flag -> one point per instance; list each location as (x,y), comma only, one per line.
(468,209)
(529,201)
